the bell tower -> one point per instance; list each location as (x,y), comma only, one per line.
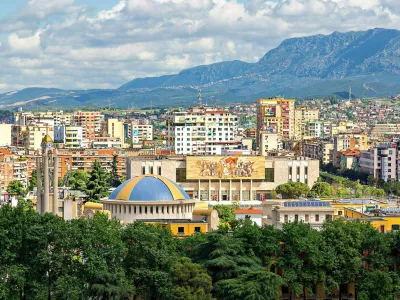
(47,163)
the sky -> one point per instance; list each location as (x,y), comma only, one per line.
(87,44)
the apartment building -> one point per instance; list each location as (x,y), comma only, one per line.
(269,142)
(90,121)
(51,118)
(381,162)
(320,150)
(380,130)
(201,131)
(350,141)
(5,134)
(68,135)
(141,132)
(83,159)
(12,167)
(304,115)
(276,115)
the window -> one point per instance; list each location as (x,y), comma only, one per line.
(340,213)
(305,170)
(197,229)
(181,230)
(156,209)
(269,175)
(298,171)
(151,209)
(151,170)
(307,218)
(382,228)
(159,170)
(328,218)
(290,171)
(143,170)
(395,227)
(316,218)
(145,210)
(286,218)
(296,218)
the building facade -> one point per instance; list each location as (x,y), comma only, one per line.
(201,131)
(210,177)
(276,115)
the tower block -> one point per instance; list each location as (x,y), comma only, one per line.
(47,164)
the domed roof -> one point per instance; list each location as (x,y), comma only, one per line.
(47,139)
(149,188)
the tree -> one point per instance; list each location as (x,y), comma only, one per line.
(322,189)
(367,286)
(293,190)
(302,258)
(343,262)
(150,254)
(259,285)
(190,281)
(372,181)
(115,179)
(33,181)
(226,214)
(77,180)
(98,185)
(16,188)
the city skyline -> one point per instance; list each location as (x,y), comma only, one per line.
(86,44)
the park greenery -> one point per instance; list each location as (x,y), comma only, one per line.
(46,257)
(332,186)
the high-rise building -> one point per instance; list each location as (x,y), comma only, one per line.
(304,115)
(276,115)
(90,121)
(201,131)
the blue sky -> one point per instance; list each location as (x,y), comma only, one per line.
(12,6)
(61,44)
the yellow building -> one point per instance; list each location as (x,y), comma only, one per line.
(114,128)
(276,115)
(383,219)
(303,115)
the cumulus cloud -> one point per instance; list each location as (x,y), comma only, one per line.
(61,44)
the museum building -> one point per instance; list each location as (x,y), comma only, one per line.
(219,178)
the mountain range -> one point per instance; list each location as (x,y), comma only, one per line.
(304,67)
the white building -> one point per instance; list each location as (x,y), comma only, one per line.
(141,132)
(70,136)
(203,131)
(315,213)
(269,142)
(5,135)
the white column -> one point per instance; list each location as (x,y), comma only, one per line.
(55,185)
(230,189)
(251,189)
(219,191)
(46,186)
(240,191)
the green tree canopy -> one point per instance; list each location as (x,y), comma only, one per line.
(190,281)
(98,184)
(16,188)
(292,190)
(77,180)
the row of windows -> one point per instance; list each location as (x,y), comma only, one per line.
(307,218)
(181,230)
(147,210)
(151,170)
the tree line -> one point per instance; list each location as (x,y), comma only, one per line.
(46,257)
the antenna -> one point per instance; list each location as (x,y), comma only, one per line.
(199,99)
(350,94)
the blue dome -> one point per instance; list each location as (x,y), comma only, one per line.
(149,188)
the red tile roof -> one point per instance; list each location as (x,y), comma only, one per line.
(250,211)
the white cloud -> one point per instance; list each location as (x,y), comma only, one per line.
(58,44)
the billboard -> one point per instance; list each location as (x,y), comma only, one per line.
(225,167)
